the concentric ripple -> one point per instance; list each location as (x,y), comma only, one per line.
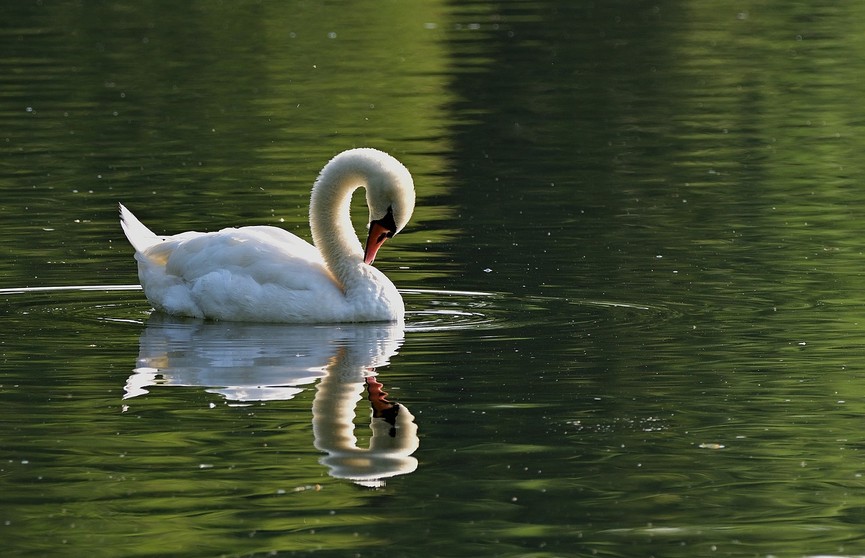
(442,310)
(105,303)
(428,310)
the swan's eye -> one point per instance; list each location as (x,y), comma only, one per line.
(388,223)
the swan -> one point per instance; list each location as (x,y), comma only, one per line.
(266,274)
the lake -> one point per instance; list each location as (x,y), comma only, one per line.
(635,319)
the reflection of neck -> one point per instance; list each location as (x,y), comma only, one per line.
(390,449)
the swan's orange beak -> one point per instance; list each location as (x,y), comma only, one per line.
(378,233)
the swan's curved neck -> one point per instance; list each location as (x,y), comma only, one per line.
(330,220)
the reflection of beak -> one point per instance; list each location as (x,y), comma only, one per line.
(378,398)
(381,407)
(378,233)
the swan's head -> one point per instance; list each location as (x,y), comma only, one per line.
(390,197)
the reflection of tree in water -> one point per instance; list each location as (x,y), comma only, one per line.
(268,362)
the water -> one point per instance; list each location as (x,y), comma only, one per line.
(633,281)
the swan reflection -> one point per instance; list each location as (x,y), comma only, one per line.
(245,362)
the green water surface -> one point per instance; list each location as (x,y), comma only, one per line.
(633,280)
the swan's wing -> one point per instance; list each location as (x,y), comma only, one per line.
(265,255)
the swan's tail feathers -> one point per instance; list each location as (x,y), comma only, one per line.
(139,235)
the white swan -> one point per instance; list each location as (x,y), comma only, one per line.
(266,274)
